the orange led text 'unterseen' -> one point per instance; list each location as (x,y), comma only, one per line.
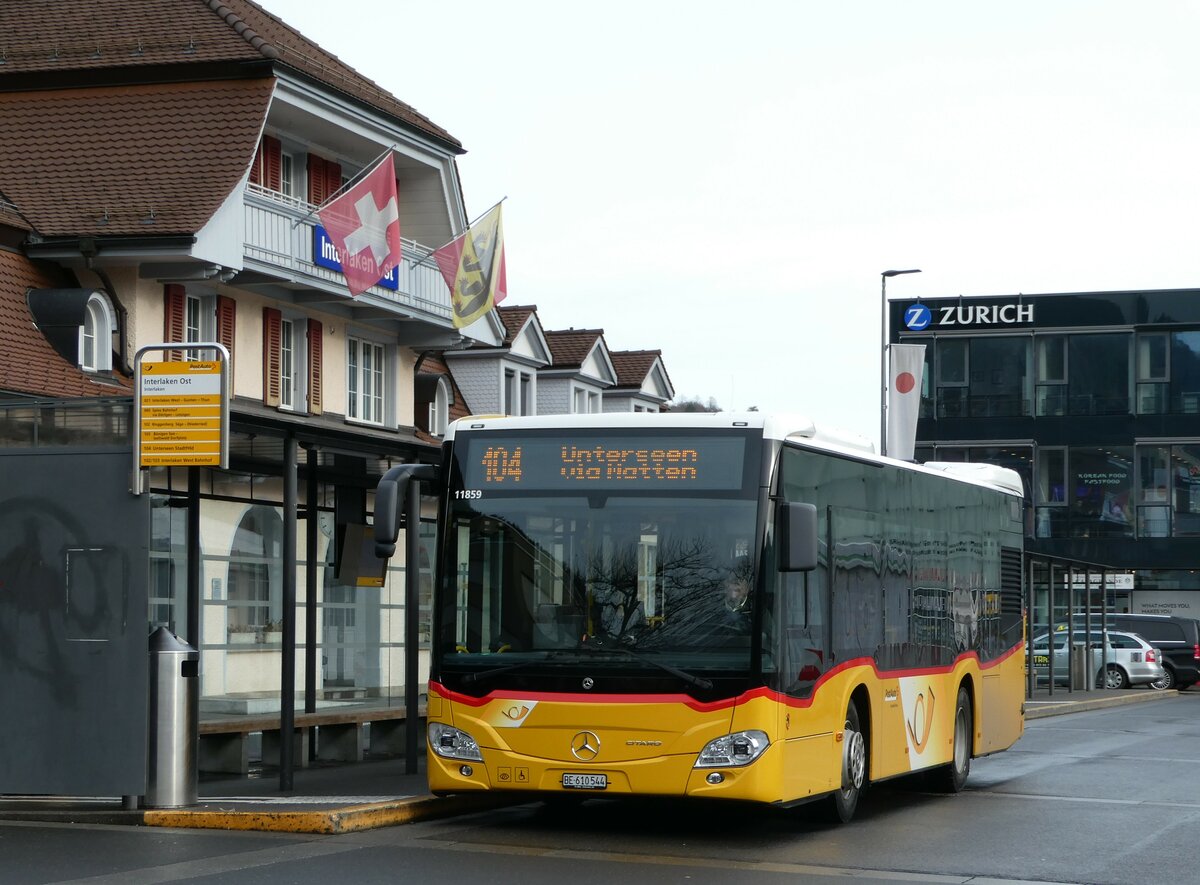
(599,463)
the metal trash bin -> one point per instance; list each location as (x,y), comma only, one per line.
(173,738)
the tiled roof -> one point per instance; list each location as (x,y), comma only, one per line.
(514,319)
(82,36)
(133,160)
(571,347)
(632,366)
(28,364)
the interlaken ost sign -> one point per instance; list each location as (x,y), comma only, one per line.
(181,414)
(182,411)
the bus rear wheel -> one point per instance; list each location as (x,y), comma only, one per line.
(854,768)
(951,778)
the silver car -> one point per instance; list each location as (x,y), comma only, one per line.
(1131,659)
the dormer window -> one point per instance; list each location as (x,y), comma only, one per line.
(439,409)
(95,335)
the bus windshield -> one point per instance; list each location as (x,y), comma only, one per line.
(545,574)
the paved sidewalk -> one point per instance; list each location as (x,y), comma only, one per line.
(1043,703)
(342,798)
(326,798)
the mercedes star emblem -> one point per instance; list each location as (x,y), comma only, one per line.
(588,682)
(585,746)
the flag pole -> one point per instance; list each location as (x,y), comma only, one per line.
(470,224)
(370,167)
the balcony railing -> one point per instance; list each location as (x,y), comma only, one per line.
(279,239)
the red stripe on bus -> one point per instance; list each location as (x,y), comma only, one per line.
(712,706)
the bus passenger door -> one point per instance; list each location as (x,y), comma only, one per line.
(802,656)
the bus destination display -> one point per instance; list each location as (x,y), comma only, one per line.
(713,463)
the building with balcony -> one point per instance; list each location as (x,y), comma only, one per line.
(160,167)
(1094,398)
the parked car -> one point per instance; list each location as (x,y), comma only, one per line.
(1127,660)
(1177,638)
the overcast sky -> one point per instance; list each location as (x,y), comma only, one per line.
(726,181)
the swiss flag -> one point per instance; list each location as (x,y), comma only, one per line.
(364,224)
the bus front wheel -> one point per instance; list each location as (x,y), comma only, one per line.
(951,778)
(854,768)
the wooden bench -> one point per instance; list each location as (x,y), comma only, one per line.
(339,735)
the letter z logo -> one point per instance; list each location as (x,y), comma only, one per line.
(917,317)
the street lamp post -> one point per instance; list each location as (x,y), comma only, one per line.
(883,367)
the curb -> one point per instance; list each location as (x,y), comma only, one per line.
(330,821)
(1052,708)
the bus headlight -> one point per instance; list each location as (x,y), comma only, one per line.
(732,750)
(453,743)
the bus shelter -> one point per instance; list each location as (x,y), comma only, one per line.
(1071,597)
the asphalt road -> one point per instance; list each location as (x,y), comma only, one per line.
(1105,796)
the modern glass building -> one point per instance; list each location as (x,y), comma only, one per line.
(1094,398)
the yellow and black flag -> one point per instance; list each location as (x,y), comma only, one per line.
(473,267)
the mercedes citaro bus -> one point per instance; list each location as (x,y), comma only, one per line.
(585,641)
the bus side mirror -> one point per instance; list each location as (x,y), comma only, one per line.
(389,498)
(796,537)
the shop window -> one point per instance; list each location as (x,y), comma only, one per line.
(1101,492)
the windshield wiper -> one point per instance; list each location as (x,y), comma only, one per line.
(689,678)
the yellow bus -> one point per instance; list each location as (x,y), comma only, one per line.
(720,606)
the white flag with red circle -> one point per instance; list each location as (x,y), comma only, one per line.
(904,399)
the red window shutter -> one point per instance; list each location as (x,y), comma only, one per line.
(174,317)
(317,192)
(272,163)
(314,367)
(256,168)
(333,178)
(227,328)
(272,340)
